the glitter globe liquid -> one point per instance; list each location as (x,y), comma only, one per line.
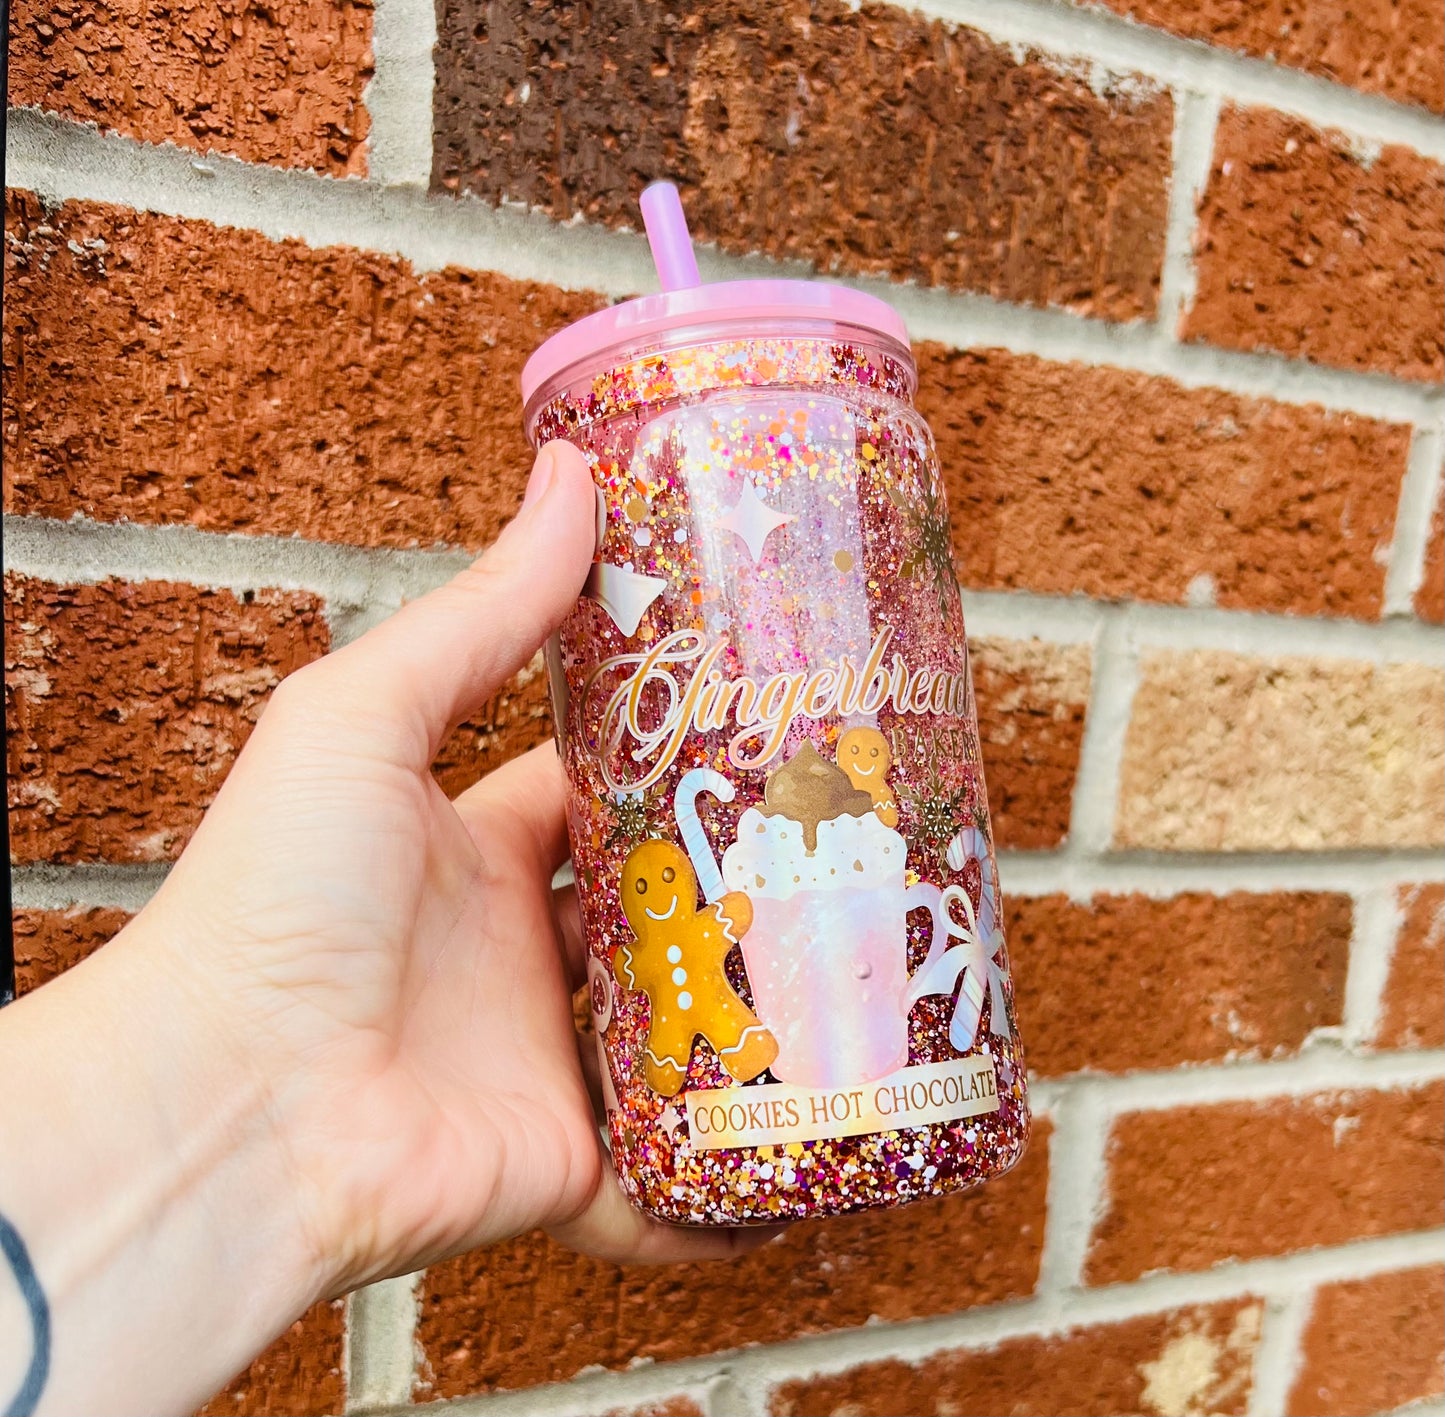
(796,965)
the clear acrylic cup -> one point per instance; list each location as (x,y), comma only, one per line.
(780,834)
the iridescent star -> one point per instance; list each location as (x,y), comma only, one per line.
(671,1119)
(623,594)
(753,520)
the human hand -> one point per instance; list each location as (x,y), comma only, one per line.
(396,965)
(338,1044)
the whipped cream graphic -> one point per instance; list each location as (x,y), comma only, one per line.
(827,953)
(770,859)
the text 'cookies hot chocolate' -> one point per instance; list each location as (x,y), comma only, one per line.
(798,977)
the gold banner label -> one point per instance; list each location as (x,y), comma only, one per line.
(779,1112)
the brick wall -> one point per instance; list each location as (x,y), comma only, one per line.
(1177,280)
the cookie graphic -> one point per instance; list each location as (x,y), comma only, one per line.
(678,960)
(864,755)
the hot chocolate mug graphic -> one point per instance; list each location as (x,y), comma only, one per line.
(826,954)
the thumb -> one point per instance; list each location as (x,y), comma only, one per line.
(438,658)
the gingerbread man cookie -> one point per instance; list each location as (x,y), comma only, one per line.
(864,755)
(678,961)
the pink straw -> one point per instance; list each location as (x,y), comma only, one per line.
(667,235)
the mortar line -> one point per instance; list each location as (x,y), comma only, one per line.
(1196,116)
(399,95)
(1114,680)
(724,1396)
(1372,944)
(62,160)
(1277,1354)
(372,580)
(1322,1066)
(381,1333)
(910,1341)
(1114,48)
(55,886)
(1077,1186)
(84,552)
(1420,489)
(1160,877)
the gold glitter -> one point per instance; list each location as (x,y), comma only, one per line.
(843,560)
(636,509)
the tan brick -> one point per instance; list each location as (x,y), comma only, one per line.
(1194,1186)
(1127,982)
(1309,247)
(1031,698)
(1226,752)
(1430,598)
(863,139)
(528,1311)
(515,718)
(279,84)
(1185,1361)
(300,1375)
(48,942)
(183,372)
(1390,47)
(125,705)
(1413,1008)
(1372,1345)
(1069,479)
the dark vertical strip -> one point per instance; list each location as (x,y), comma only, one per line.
(12,1247)
(7,932)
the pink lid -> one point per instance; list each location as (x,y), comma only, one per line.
(684,302)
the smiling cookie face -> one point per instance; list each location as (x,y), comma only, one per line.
(658,883)
(863,754)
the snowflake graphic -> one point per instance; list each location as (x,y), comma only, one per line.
(935,809)
(636,817)
(932,554)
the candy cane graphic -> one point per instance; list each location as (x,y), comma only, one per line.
(684,805)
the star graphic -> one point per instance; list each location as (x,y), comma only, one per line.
(753,520)
(623,594)
(671,1119)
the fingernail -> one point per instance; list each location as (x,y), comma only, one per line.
(544,473)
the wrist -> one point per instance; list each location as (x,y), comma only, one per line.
(146,1169)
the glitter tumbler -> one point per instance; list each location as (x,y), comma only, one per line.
(796,966)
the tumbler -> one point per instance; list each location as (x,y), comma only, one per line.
(796,969)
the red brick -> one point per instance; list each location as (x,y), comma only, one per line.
(1128,982)
(48,942)
(1032,698)
(1390,47)
(1309,248)
(1373,1345)
(1067,479)
(529,1312)
(125,705)
(1191,1187)
(279,84)
(184,372)
(1187,1360)
(300,1375)
(1430,598)
(862,139)
(1413,1013)
(515,718)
